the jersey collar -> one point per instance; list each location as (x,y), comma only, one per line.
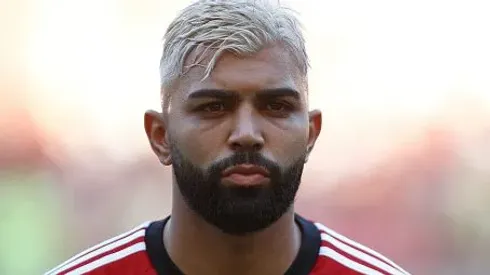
(302,265)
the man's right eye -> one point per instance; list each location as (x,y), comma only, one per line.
(214,107)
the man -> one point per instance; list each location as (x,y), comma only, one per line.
(236,129)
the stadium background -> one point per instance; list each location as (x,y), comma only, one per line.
(402,165)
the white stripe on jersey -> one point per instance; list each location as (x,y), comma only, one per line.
(109,259)
(360,255)
(332,254)
(359,246)
(103,249)
(96,247)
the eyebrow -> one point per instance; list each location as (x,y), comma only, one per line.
(229,94)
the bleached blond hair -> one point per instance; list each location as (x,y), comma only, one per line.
(243,27)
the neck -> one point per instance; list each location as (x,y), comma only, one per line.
(198,247)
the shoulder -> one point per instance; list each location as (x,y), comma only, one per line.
(112,256)
(342,254)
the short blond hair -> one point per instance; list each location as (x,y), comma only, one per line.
(242,27)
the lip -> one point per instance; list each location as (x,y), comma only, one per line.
(245,175)
(246,170)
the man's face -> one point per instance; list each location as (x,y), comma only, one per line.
(239,139)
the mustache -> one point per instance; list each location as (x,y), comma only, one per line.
(245,157)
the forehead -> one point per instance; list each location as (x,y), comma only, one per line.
(272,67)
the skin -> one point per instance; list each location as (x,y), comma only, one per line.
(269,114)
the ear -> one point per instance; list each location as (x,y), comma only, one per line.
(156,131)
(315,126)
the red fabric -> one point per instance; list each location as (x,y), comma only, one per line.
(137,262)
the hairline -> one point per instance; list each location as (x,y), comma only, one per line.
(176,85)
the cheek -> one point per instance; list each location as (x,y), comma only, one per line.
(288,142)
(200,143)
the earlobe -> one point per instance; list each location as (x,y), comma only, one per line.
(308,152)
(315,127)
(166,156)
(156,132)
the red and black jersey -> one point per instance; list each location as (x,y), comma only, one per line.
(141,252)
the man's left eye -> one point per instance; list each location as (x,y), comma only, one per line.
(276,107)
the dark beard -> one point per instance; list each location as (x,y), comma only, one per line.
(237,210)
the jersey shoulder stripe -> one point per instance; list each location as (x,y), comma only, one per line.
(130,241)
(107,259)
(354,255)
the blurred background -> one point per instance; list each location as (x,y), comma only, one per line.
(402,165)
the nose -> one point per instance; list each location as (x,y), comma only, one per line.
(246,134)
